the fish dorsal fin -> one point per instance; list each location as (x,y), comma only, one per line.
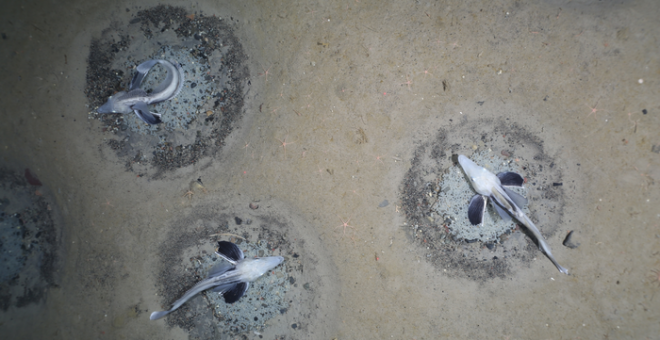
(232,295)
(230,252)
(220,269)
(518,199)
(510,179)
(476,209)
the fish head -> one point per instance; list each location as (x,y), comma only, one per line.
(483,181)
(115,104)
(252,268)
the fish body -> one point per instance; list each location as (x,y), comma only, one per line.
(231,279)
(137,100)
(488,185)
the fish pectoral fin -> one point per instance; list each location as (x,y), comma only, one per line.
(142,71)
(510,179)
(220,269)
(230,251)
(501,211)
(518,199)
(222,288)
(232,295)
(476,209)
(142,111)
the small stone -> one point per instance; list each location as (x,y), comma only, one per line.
(505,153)
(383,204)
(238,220)
(254,206)
(655,148)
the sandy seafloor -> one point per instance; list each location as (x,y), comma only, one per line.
(355,87)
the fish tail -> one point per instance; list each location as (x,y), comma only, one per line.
(559,267)
(545,248)
(158,315)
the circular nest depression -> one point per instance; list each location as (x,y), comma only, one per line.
(195,122)
(28,240)
(479,255)
(297,284)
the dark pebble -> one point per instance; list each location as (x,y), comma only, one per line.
(490,246)
(193,85)
(238,220)
(383,204)
(557,184)
(294,326)
(645,111)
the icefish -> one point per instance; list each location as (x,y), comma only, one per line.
(136,99)
(486,184)
(230,279)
